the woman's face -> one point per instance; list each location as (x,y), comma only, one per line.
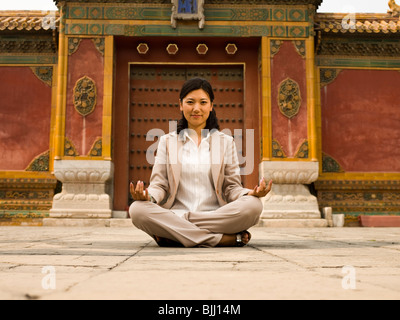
(196,108)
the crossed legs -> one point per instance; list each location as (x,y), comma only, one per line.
(197,228)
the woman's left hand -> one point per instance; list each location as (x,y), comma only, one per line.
(261,190)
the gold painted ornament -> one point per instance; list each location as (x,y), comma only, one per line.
(85,94)
(289,98)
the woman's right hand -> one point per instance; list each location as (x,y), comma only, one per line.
(139,193)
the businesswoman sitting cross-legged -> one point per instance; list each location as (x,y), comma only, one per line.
(195,196)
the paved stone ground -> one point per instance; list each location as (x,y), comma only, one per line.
(124,263)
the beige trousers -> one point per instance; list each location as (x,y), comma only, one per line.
(196,228)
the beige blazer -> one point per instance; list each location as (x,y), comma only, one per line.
(225,169)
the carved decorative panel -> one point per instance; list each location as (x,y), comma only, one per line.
(275,46)
(44,74)
(277,151)
(97,148)
(302,152)
(328,75)
(329,164)
(300,46)
(359,197)
(69,148)
(25,198)
(40,163)
(99,43)
(73,45)
(85,94)
(289,98)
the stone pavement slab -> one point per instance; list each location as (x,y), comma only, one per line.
(125,263)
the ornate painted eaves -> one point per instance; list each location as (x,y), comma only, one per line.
(29,20)
(271,2)
(363,23)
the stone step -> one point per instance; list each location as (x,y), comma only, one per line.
(266,223)
(293,223)
(59,222)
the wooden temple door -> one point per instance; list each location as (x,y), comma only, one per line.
(154,102)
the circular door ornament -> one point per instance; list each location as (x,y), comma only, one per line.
(289,98)
(202,49)
(172,49)
(142,48)
(85,94)
(231,48)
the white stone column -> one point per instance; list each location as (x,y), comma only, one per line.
(84,191)
(290,203)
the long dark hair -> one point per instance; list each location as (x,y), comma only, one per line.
(195,84)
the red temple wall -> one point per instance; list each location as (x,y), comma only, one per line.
(290,133)
(361,120)
(25,117)
(83,131)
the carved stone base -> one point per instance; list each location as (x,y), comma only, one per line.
(84,193)
(289,198)
(290,201)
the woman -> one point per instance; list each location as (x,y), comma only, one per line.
(195,196)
